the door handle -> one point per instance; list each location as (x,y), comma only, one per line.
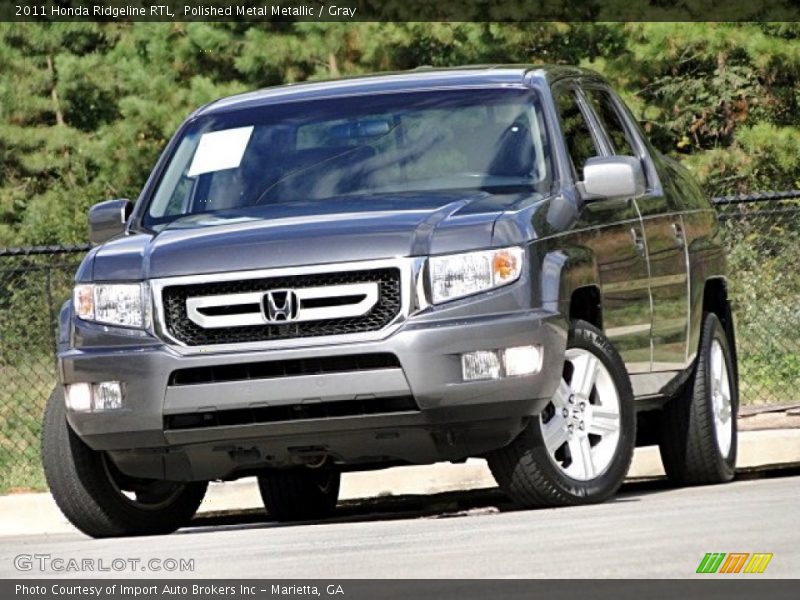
(637,238)
(680,239)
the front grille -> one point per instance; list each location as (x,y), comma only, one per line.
(183,329)
(283,368)
(291,412)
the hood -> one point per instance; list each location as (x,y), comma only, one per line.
(329,231)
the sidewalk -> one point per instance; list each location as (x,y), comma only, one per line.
(759,449)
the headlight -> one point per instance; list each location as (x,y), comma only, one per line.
(123,304)
(458,275)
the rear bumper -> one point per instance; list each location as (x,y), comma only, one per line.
(451,418)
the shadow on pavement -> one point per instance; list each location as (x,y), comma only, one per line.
(435,506)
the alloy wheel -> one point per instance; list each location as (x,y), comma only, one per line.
(721,399)
(581,424)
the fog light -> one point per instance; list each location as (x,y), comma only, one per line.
(79,396)
(107,395)
(522,360)
(483,364)
(94,397)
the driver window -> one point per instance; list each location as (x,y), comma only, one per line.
(577,135)
(610,120)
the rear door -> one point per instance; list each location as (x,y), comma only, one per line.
(663,236)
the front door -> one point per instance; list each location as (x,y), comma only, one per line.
(613,230)
(663,238)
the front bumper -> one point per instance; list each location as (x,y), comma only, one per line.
(455,418)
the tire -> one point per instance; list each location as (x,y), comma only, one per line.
(88,488)
(698,428)
(299,494)
(538,469)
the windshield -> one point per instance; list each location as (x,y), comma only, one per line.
(232,163)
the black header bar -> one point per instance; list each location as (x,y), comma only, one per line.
(255,11)
(372,589)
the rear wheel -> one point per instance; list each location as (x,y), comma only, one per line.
(299,494)
(100,500)
(579,449)
(698,437)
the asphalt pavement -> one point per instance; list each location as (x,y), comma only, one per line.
(649,530)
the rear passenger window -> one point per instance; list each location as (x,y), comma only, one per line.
(605,110)
(577,135)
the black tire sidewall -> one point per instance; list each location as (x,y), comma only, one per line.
(80,484)
(586,337)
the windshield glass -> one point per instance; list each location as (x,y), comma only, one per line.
(232,163)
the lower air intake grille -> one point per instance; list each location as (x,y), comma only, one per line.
(291,412)
(283,368)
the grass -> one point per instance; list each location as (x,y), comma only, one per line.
(22,401)
(769,377)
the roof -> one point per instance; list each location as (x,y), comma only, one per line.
(423,78)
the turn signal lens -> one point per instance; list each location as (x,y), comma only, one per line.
(84,301)
(505,266)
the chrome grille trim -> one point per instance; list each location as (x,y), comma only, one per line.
(367,292)
(410,270)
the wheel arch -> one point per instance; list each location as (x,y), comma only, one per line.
(586,304)
(716,300)
(570,285)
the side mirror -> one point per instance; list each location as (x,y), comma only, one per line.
(612,177)
(107,219)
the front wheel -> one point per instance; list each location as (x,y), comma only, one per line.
(99,500)
(579,449)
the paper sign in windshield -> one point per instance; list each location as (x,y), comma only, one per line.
(220,150)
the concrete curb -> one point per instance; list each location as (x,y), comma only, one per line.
(36,514)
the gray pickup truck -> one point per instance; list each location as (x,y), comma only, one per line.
(394,270)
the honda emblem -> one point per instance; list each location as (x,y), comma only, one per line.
(280,306)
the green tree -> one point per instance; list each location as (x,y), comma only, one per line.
(85,109)
(724,97)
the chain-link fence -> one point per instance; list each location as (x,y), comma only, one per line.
(34,282)
(762,237)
